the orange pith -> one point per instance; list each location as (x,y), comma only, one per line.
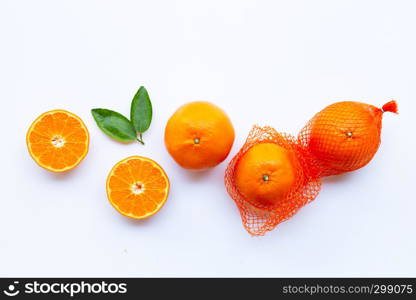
(137,187)
(199,135)
(265,174)
(58,141)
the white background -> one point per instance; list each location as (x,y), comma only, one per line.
(267,62)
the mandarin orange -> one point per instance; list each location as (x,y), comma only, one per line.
(345,136)
(137,187)
(199,135)
(58,141)
(265,175)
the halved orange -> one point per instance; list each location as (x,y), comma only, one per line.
(137,187)
(58,141)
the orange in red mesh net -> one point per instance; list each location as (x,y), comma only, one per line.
(252,179)
(344,136)
(275,174)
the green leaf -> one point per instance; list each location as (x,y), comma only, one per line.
(141,111)
(114,125)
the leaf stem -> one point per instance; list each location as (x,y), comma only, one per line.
(140,139)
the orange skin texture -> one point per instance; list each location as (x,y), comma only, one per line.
(265,159)
(206,123)
(345,136)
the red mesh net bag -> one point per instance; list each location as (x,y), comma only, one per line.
(341,138)
(344,136)
(258,217)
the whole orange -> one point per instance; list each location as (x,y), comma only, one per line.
(345,136)
(199,135)
(265,174)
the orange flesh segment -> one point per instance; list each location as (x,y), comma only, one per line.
(137,187)
(58,140)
